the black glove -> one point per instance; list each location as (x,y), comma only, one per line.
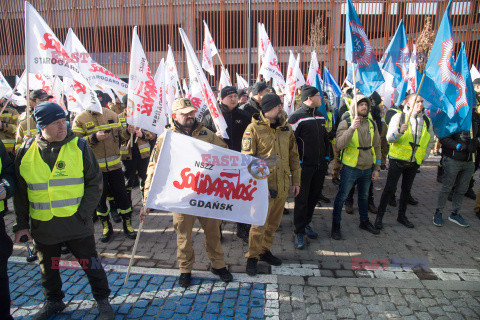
(473,146)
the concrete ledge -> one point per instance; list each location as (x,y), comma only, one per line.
(451,285)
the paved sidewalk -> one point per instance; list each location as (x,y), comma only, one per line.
(422,273)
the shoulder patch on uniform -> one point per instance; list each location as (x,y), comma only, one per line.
(246,143)
(202,133)
(89,125)
(247,133)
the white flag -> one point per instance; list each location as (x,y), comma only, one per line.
(387,91)
(288,102)
(144,109)
(233,190)
(314,70)
(412,71)
(224,79)
(184,86)
(271,69)
(474,72)
(160,83)
(208,52)
(92,71)
(4,86)
(171,81)
(241,82)
(45,54)
(73,102)
(263,40)
(198,79)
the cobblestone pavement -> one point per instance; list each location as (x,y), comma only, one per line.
(421,273)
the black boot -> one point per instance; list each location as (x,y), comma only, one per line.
(368,226)
(107,228)
(127,226)
(379,221)
(336,234)
(411,200)
(403,220)
(243,231)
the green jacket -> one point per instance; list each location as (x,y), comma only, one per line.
(58,229)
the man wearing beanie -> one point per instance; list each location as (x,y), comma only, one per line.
(313,146)
(237,121)
(259,89)
(103,133)
(242,96)
(269,137)
(359,144)
(59,185)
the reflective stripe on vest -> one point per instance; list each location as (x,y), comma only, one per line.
(144,148)
(350,154)
(8,143)
(56,192)
(402,150)
(110,161)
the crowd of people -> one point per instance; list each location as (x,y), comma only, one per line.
(66,171)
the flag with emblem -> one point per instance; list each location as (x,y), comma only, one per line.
(271,69)
(313,70)
(209,51)
(360,55)
(443,125)
(199,80)
(45,54)
(395,63)
(91,70)
(144,108)
(263,40)
(333,91)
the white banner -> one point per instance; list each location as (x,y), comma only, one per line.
(241,82)
(263,40)
(271,69)
(224,79)
(314,70)
(160,83)
(294,80)
(474,72)
(208,52)
(200,179)
(45,54)
(144,109)
(171,81)
(198,80)
(92,71)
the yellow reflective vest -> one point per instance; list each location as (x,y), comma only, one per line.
(349,155)
(56,192)
(402,149)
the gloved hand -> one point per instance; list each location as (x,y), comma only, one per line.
(473,146)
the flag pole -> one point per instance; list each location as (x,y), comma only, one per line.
(27,69)
(407,118)
(133,252)
(354,113)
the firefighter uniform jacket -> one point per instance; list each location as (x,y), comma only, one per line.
(8,129)
(107,152)
(143,142)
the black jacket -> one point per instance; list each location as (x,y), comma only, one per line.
(460,146)
(237,121)
(8,171)
(251,107)
(311,134)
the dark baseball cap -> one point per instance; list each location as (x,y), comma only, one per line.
(40,94)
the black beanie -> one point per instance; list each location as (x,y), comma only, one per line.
(476,81)
(48,112)
(258,87)
(270,101)
(308,91)
(242,92)
(228,90)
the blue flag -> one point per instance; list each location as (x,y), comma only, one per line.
(360,55)
(333,91)
(440,72)
(395,61)
(462,118)
(322,108)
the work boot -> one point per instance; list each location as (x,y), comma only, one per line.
(127,226)
(403,220)
(379,221)
(115,216)
(185,279)
(269,258)
(223,273)
(49,308)
(336,234)
(349,208)
(412,201)
(107,228)
(252,266)
(105,309)
(368,226)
